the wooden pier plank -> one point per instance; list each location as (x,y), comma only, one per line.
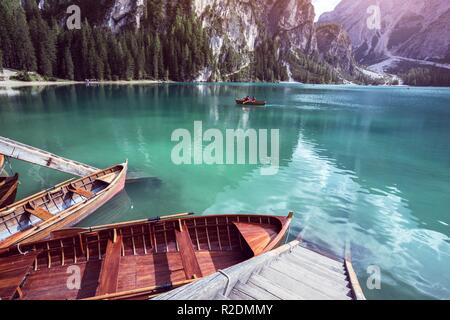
(321,268)
(332,278)
(220,296)
(256,292)
(300,274)
(237,294)
(290,272)
(274,288)
(317,257)
(299,288)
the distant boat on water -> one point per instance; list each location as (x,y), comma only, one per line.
(250,102)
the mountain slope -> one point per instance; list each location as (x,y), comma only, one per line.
(415,29)
(335,47)
(185,40)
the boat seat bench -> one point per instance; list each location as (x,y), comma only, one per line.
(82,192)
(187,253)
(40,213)
(109,273)
(14,270)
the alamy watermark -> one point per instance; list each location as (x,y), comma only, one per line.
(374,280)
(237,146)
(374,19)
(74,20)
(74,279)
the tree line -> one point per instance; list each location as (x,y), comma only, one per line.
(170,44)
(430,76)
(167,46)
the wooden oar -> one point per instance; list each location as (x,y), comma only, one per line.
(73,231)
(141,291)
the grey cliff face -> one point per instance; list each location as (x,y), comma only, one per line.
(416,29)
(243,24)
(335,47)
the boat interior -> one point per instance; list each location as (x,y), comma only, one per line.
(36,209)
(133,260)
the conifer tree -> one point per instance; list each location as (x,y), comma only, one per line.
(1,61)
(67,65)
(18,51)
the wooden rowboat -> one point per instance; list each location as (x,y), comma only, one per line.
(66,204)
(8,190)
(248,103)
(135,260)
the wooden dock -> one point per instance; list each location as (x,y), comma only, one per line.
(291,272)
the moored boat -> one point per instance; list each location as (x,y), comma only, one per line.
(135,260)
(250,103)
(66,204)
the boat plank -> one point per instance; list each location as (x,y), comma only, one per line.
(13,272)
(257,236)
(187,253)
(41,213)
(109,273)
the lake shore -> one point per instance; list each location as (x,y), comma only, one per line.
(18,84)
(8,81)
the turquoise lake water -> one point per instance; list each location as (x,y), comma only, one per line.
(369,166)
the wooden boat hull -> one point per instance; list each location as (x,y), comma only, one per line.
(8,190)
(65,218)
(2,162)
(256,103)
(137,260)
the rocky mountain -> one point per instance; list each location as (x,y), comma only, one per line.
(335,47)
(287,26)
(388,34)
(243,26)
(250,40)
